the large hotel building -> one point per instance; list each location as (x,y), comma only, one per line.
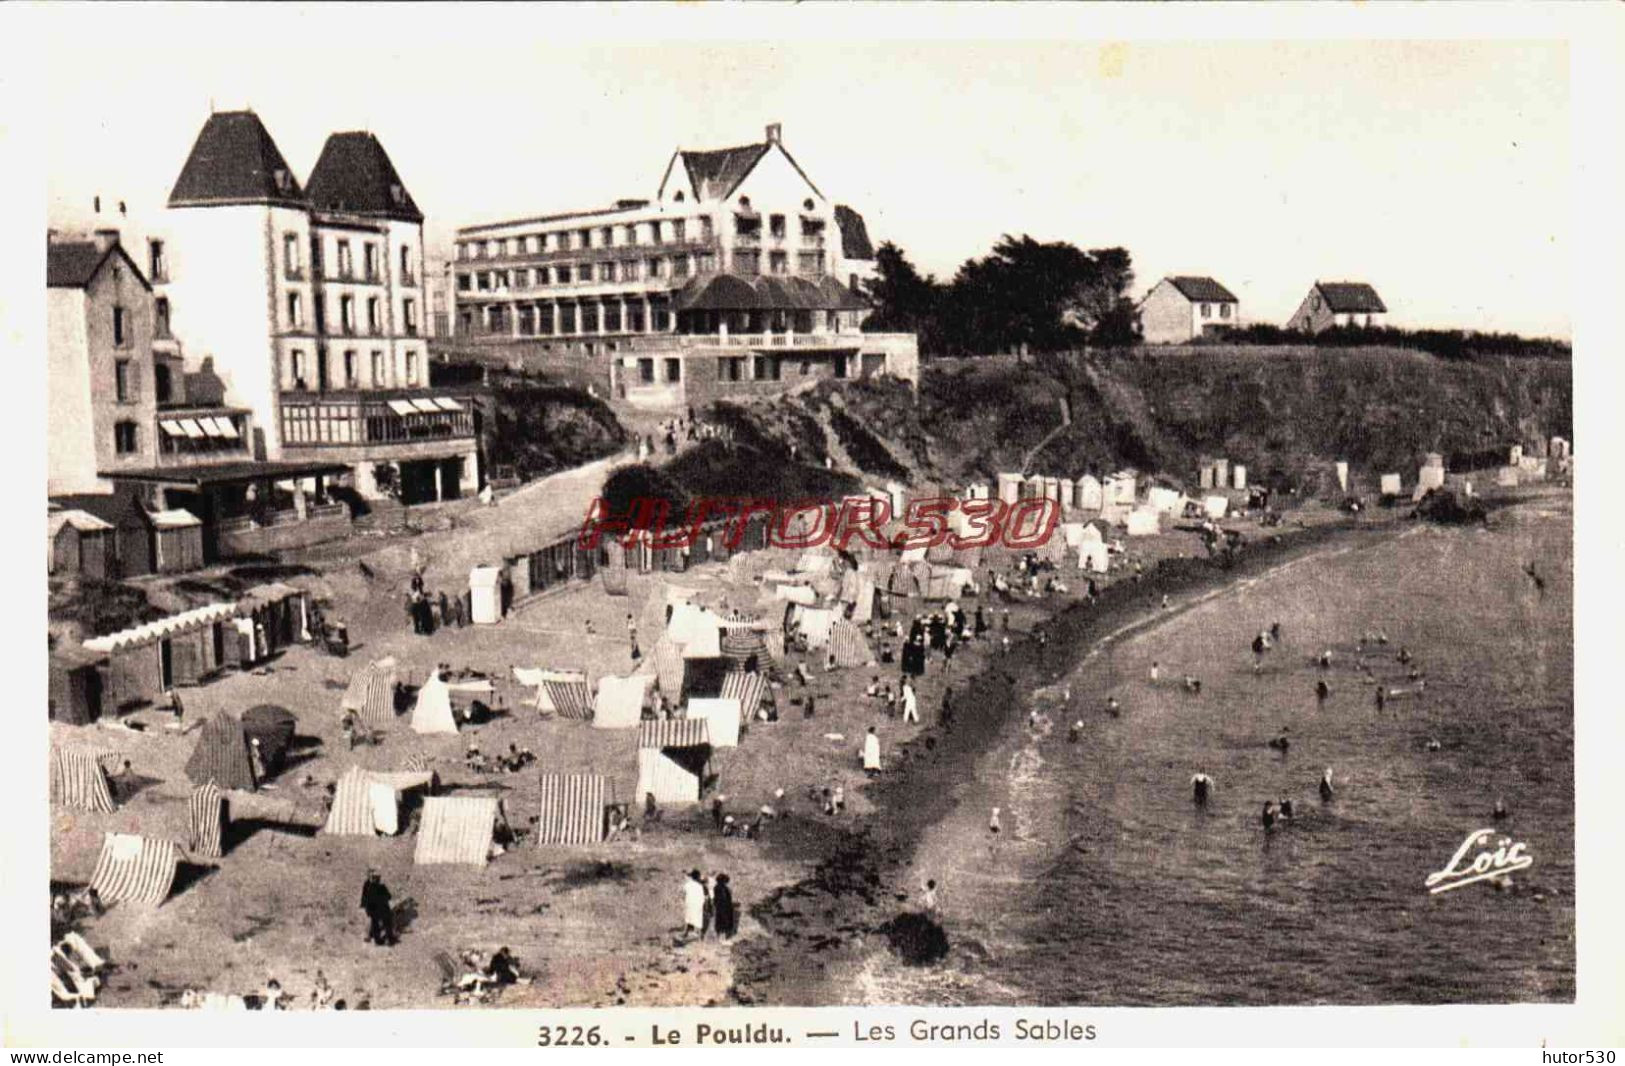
(739,277)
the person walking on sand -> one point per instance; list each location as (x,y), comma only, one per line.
(871,751)
(1201,789)
(1382,697)
(376,901)
(709,915)
(993,827)
(1323,692)
(1326,789)
(911,704)
(693,905)
(1156,672)
(725,916)
(928,899)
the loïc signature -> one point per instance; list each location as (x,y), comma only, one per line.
(1503,859)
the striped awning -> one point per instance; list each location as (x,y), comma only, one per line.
(675,733)
(570,699)
(669,668)
(208,816)
(848,645)
(78,780)
(134,869)
(457,829)
(572,810)
(748,689)
(371,694)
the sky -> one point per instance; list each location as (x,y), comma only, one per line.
(1437,170)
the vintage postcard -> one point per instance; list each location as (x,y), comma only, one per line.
(579,527)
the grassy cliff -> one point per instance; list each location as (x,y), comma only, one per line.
(1275,409)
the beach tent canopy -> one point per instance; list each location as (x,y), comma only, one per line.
(207,809)
(620,701)
(457,829)
(368,802)
(1215,507)
(371,695)
(432,712)
(1072,533)
(801,594)
(135,869)
(748,689)
(1094,557)
(79,780)
(669,668)
(848,644)
(221,755)
(573,809)
(695,630)
(1142,522)
(815,623)
(163,628)
(721,717)
(672,759)
(273,727)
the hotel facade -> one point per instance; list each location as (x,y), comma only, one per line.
(308,302)
(738,277)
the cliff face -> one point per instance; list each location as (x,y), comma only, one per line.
(1275,409)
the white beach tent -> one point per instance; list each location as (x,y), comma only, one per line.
(1164,500)
(1094,557)
(1216,506)
(620,701)
(721,718)
(432,712)
(1073,532)
(485,595)
(1142,522)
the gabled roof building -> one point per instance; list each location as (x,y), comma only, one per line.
(1332,304)
(738,276)
(1182,308)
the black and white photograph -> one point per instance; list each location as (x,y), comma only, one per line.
(709,509)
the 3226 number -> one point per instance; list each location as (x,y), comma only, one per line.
(568,1036)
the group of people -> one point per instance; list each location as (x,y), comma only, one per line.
(515,759)
(708,906)
(674,431)
(431,611)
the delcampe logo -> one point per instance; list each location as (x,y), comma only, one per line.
(1507,856)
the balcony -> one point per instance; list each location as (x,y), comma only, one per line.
(361,418)
(194,436)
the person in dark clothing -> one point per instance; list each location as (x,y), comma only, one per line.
(981,622)
(1323,691)
(375,900)
(503,969)
(725,916)
(445,610)
(717,812)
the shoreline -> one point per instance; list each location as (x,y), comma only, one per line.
(855,882)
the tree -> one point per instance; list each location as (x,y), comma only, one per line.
(904,300)
(1044,296)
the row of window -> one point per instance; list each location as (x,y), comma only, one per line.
(371,259)
(347,320)
(747,225)
(1224,310)
(347,373)
(631,234)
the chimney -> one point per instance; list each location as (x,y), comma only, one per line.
(105,239)
(96,205)
(774,132)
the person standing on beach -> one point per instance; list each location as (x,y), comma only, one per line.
(911,704)
(1156,672)
(1201,788)
(725,916)
(1323,692)
(693,905)
(871,750)
(993,828)
(928,899)
(1382,697)
(375,900)
(945,717)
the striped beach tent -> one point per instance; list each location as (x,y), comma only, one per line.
(848,644)
(669,668)
(371,694)
(79,780)
(748,689)
(134,869)
(775,644)
(208,817)
(221,755)
(457,829)
(672,759)
(744,637)
(573,807)
(674,733)
(569,699)
(418,763)
(366,803)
